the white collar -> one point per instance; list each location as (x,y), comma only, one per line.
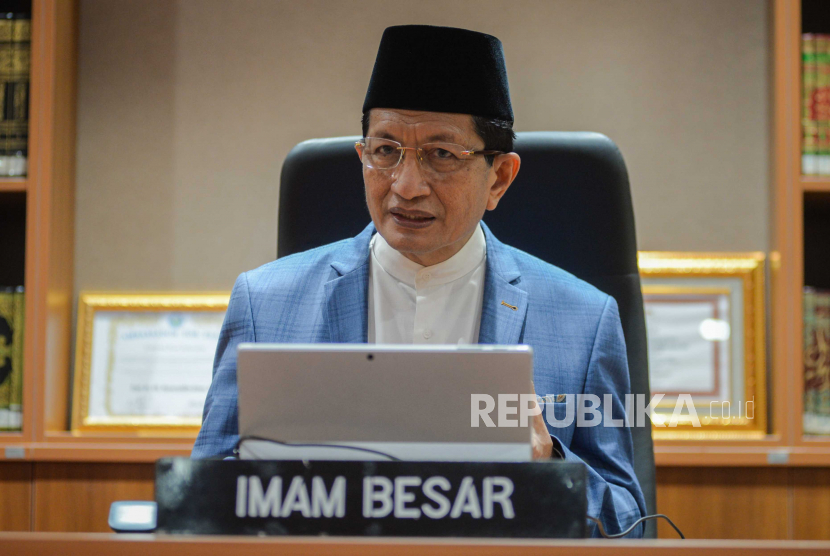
(417,276)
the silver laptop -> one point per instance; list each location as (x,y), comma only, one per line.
(378,402)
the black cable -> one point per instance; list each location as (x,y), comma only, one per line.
(293,445)
(636,523)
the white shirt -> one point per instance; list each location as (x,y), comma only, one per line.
(414,304)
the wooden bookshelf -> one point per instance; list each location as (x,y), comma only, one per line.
(797,202)
(12,185)
(46,198)
(791,192)
(816,184)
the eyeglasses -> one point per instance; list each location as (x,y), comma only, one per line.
(440,158)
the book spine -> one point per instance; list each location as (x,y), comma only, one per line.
(809,127)
(6,33)
(19,105)
(16,386)
(15,63)
(823,102)
(816,362)
(7,338)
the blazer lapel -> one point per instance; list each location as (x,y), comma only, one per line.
(347,293)
(504,304)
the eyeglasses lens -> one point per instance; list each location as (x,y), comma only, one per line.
(440,158)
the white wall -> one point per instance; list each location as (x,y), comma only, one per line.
(187,109)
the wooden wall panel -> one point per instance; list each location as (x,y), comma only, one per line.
(77,496)
(713,503)
(15,496)
(724,503)
(811,503)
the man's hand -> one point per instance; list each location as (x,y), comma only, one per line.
(540,441)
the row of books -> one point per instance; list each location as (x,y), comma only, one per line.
(815,104)
(11,358)
(816,361)
(15,62)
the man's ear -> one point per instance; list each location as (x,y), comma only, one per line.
(505,168)
(364,124)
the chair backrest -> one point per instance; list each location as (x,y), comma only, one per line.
(570,206)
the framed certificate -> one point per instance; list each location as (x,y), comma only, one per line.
(706,348)
(143,362)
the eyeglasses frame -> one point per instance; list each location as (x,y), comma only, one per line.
(419,150)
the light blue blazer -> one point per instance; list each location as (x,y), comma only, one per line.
(321,296)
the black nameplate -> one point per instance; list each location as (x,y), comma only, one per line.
(431,499)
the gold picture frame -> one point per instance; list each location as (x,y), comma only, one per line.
(728,394)
(140,361)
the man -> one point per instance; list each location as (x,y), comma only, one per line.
(436,154)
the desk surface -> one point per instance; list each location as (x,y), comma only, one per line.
(95,544)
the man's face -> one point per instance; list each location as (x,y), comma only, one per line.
(425,216)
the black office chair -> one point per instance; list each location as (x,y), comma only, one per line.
(570,206)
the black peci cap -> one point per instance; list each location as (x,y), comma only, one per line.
(440,69)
